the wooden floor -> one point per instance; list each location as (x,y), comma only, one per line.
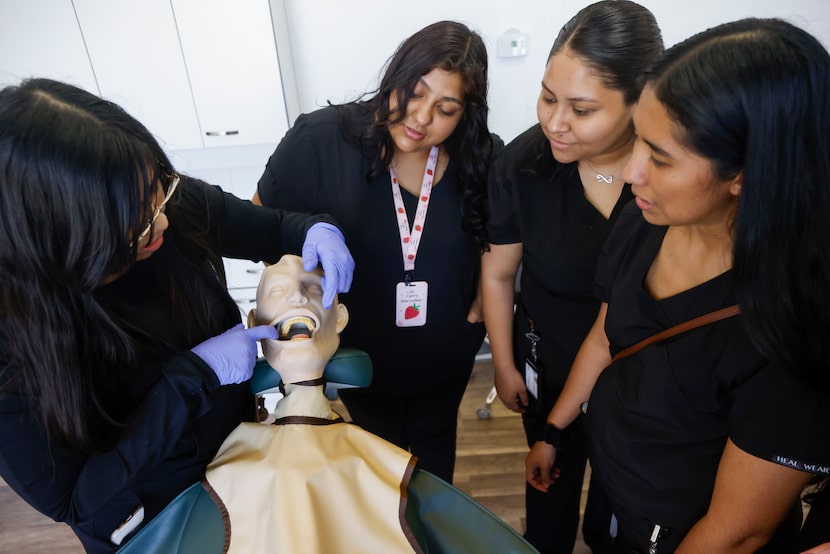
(490,468)
(490,454)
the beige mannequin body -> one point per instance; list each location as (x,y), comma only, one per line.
(310,482)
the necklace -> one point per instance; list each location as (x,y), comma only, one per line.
(600,177)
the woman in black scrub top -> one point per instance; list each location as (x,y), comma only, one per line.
(703,442)
(554,193)
(123,361)
(414,310)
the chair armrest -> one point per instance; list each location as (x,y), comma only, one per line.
(190,524)
(445,519)
(349,366)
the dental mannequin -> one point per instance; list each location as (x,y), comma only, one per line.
(290,299)
(310,482)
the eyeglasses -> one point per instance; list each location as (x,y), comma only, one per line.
(159,209)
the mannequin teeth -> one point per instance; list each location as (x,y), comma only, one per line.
(296,328)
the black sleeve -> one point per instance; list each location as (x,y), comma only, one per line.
(498,146)
(72,488)
(762,421)
(502,227)
(292,176)
(237,228)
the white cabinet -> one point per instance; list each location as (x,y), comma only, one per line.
(41,38)
(202,75)
(197,73)
(234,71)
(135,52)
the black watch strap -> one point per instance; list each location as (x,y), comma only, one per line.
(553,436)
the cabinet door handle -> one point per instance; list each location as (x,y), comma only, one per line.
(221,133)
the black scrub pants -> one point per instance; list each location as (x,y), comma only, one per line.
(553,516)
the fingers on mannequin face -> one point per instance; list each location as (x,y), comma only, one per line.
(291,299)
(287,290)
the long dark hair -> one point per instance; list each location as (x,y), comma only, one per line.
(77,178)
(451,46)
(753,96)
(617,39)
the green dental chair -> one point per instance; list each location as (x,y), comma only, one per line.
(444,519)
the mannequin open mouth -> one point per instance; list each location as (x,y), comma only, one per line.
(295,328)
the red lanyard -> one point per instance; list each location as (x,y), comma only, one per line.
(411,240)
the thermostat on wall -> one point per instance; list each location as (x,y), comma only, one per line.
(512,44)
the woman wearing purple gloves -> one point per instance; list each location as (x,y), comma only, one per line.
(122,356)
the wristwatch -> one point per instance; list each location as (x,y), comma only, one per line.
(553,436)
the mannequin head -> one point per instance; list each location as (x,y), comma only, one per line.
(291,299)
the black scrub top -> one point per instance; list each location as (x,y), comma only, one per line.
(184,414)
(561,234)
(658,420)
(315,168)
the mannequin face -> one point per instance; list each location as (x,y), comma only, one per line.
(291,299)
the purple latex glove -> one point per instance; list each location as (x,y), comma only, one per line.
(232,355)
(325,242)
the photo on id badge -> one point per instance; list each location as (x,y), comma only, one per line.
(411,304)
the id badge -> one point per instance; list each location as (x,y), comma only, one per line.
(532,378)
(411,304)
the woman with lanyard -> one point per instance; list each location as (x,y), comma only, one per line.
(708,367)
(417,248)
(554,193)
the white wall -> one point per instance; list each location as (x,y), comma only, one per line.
(339,46)
(336,49)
